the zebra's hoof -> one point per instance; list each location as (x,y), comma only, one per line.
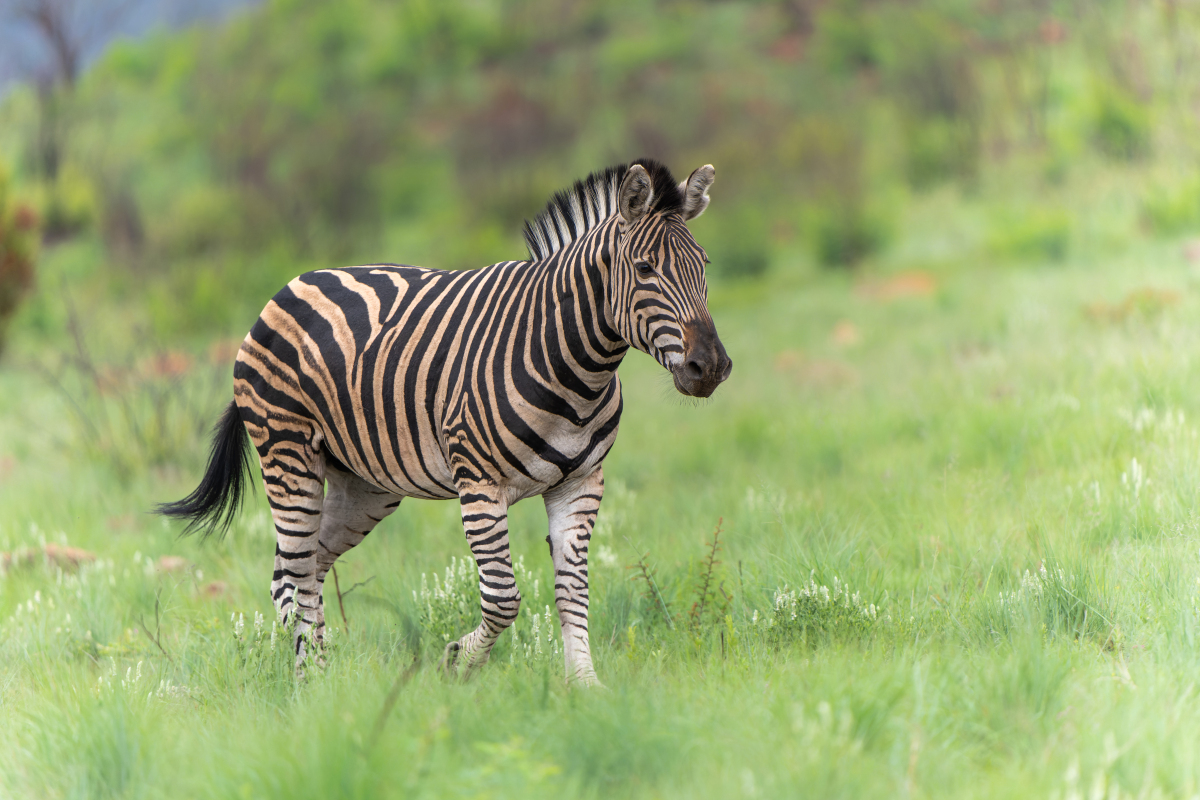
(588,682)
(449,659)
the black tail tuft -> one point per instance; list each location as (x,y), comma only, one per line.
(212,506)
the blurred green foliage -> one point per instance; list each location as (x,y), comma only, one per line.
(741,245)
(848,234)
(1120,124)
(1173,209)
(214,164)
(1033,234)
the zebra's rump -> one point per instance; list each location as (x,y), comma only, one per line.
(418,379)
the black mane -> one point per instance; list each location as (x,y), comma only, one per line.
(573,212)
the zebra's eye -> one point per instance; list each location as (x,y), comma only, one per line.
(644,269)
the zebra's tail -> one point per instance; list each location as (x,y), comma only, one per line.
(213,504)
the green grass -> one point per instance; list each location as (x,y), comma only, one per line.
(965,462)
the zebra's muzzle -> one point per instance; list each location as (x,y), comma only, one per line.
(705,364)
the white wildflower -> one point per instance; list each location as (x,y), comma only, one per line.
(605,556)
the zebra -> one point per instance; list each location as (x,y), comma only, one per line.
(364,385)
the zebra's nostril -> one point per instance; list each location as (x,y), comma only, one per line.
(693,370)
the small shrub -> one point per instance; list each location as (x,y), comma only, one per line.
(652,592)
(703,590)
(845,40)
(1038,235)
(711,603)
(1169,211)
(1120,125)
(200,221)
(842,237)
(940,149)
(68,207)
(1059,601)
(536,636)
(450,608)
(262,652)
(816,612)
(740,245)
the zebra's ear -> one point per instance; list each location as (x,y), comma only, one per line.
(636,194)
(695,191)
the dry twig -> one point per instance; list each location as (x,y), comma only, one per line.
(155,637)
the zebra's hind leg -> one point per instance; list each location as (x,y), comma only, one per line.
(293,471)
(485,519)
(296,494)
(571,511)
(352,509)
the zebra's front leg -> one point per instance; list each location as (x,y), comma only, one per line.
(571,510)
(485,519)
(296,499)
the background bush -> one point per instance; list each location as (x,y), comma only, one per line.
(18,250)
(297,134)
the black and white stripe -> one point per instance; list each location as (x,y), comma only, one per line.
(365,385)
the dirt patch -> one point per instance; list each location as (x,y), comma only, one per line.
(59,555)
(223,353)
(1191,251)
(916,283)
(167,364)
(1144,303)
(845,334)
(122,522)
(172,564)
(816,373)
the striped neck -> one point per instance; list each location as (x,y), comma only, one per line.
(585,334)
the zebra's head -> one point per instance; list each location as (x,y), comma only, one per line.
(657,292)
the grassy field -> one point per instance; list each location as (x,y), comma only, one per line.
(958,558)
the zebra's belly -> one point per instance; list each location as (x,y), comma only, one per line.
(420,464)
(517,482)
(398,468)
(538,475)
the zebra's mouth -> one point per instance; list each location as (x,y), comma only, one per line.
(694,381)
(691,389)
(705,364)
